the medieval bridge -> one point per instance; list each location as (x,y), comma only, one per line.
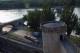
(15,23)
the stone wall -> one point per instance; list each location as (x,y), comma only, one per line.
(17,47)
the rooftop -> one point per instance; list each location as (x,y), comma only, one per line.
(55,24)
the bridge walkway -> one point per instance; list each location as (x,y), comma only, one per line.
(68,46)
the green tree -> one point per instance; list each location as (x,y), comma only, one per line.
(78,27)
(25,17)
(47,15)
(78,30)
(33,19)
(69,18)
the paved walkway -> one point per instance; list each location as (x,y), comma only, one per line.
(63,50)
(68,47)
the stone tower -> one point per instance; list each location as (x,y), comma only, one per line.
(52,34)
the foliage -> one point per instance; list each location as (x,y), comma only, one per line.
(78,29)
(53,2)
(28,29)
(69,18)
(12,36)
(11,4)
(47,15)
(75,40)
(34,18)
(58,2)
(34,3)
(25,17)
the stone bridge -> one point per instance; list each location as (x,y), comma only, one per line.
(58,8)
(16,24)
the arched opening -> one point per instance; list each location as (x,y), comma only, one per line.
(7,28)
(61,37)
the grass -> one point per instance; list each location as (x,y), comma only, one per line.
(28,29)
(75,40)
(31,30)
(12,36)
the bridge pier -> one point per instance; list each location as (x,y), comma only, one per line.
(1,32)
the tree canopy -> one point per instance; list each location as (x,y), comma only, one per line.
(69,18)
(47,15)
(34,18)
(78,28)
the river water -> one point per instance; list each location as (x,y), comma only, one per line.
(14,14)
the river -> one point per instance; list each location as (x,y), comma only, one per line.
(14,14)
